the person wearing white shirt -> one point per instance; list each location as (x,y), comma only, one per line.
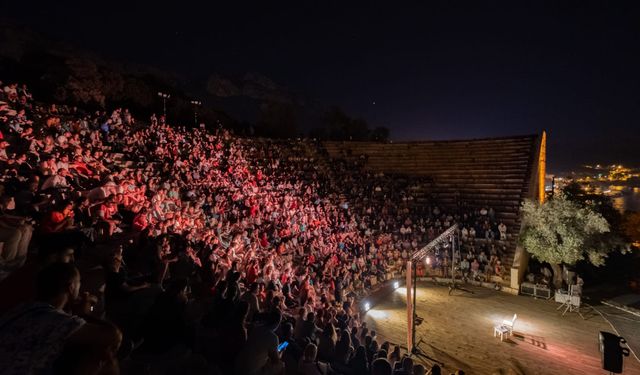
(464,267)
(58,180)
(503,231)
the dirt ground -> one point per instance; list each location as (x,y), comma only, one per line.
(458,330)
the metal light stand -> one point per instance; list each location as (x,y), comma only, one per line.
(416,350)
(164,97)
(417,256)
(568,304)
(196,104)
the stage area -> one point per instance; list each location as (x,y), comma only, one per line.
(458,330)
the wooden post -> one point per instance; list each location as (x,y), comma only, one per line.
(409,306)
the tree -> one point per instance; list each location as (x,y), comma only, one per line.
(277,119)
(84,84)
(563,232)
(380,134)
(342,127)
(336,121)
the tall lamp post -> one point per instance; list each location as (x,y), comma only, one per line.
(196,104)
(164,97)
(413,320)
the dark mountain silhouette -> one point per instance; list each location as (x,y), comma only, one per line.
(251,104)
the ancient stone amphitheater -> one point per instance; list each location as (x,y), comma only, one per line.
(495,172)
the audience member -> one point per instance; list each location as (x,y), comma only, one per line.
(263,230)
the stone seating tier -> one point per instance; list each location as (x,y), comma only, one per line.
(481,173)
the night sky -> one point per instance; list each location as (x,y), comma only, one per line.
(437,71)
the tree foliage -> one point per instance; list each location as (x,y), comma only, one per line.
(337,125)
(380,134)
(87,83)
(277,119)
(562,231)
(342,127)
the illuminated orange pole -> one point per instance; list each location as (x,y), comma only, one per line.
(409,306)
(542,167)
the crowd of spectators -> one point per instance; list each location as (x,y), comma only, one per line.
(200,250)
(480,250)
(482,241)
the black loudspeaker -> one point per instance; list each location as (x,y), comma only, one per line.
(612,352)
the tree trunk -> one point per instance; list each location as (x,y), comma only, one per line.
(557,275)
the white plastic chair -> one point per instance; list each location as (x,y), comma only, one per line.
(508,324)
(501,331)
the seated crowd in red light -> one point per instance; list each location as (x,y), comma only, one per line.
(198,248)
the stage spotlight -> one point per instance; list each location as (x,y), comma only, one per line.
(396,284)
(367,306)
